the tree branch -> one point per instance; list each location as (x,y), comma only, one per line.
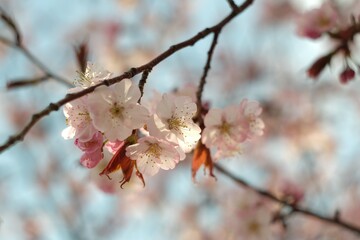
(26,82)
(335,220)
(129,74)
(232,4)
(200,89)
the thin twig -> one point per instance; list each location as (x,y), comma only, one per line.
(232,4)
(207,67)
(335,220)
(129,74)
(26,82)
(41,66)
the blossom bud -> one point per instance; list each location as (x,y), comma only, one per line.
(317,67)
(347,75)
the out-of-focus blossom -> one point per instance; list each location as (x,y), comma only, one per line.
(80,124)
(173,122)
(115,110)
(151,154)
(250,122)
(314,23)
(347,75)
(291,192)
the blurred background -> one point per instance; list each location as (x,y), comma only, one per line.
(310,145)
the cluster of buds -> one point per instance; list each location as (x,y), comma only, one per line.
(327,20)
(149,138)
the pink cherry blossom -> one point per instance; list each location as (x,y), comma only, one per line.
(78,119)
(90,160)
(314,23)
(92,150)
(115,110)
(92,145)
(173,122)
(251,123)
(152,153)
(222,128)
(92,76)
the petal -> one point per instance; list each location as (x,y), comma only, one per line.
(213,118)
(135,116)
(68,133)
(90,160)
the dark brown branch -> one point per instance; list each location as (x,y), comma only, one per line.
(129,74)
(11,24)
(232,4)
(294,208)
(142,82)
(25,82)
(200,89)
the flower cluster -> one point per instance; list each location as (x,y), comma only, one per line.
(328,20)
(112,118)
(315,23)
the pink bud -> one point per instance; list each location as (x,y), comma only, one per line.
(347,75)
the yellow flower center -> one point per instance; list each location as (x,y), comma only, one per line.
(175,123)
(154,150)
(116,111)
(254,227)
(224,128)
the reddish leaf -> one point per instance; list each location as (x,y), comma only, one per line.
(127,167)
(121,161)
(116,162)
(201,157)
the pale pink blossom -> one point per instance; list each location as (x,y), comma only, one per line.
(222,128)
(173,122)
(115,110)
(92,76)
(152,153)
(80,125)
(314,23)
(250,122)
(92,150)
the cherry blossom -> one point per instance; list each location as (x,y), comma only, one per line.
(173,122)
(92,150)
(152,153)
(92,76)
(250,122)
(314,23)
(226,129)
(115,110)
(222,128)
(80,125)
